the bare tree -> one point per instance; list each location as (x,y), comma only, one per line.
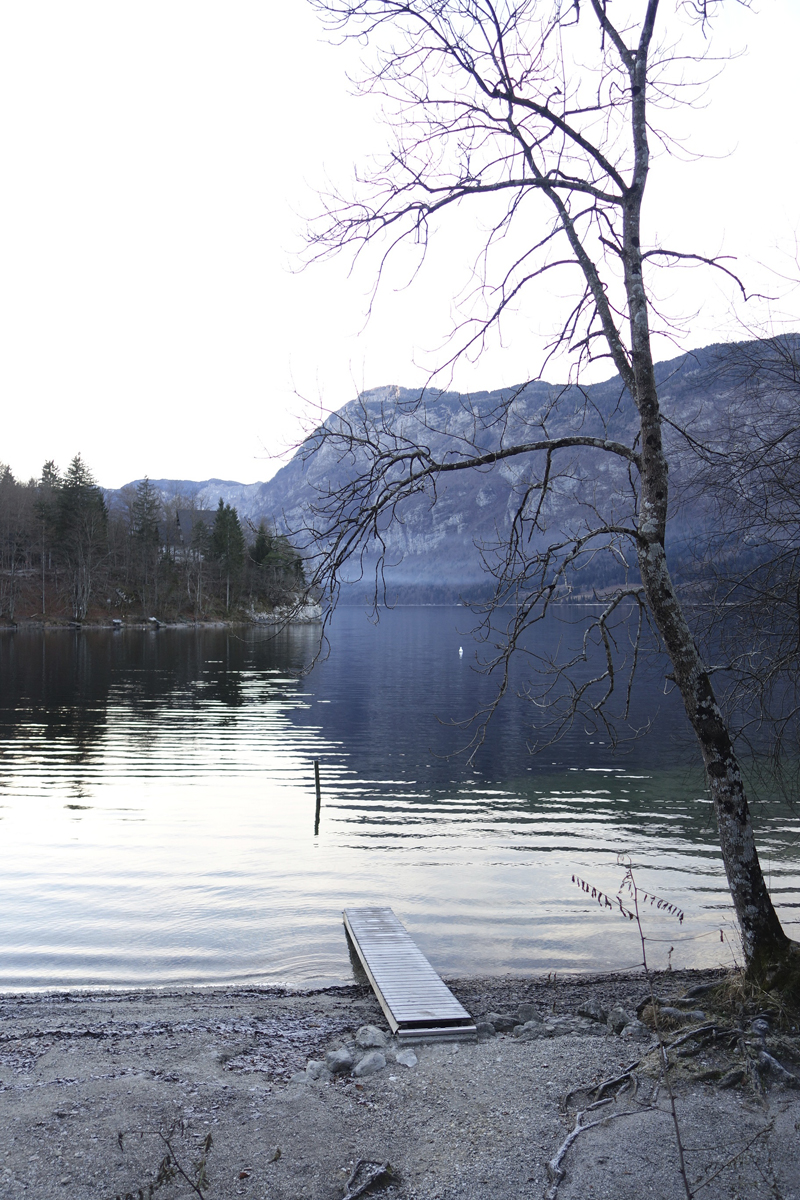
(746,475)
(541,114)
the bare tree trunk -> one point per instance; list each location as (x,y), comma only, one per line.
(762,935)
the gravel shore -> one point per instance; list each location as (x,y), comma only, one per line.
(93,1085)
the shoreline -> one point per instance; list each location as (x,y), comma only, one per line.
(92,1083)
(152,624)
(303,988)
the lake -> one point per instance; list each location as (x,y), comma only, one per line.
(157,809)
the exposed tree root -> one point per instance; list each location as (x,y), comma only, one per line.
(778,974)
(618,1081)
(767,1063)
(555,1171)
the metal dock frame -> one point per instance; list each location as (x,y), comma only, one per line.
(418,1005)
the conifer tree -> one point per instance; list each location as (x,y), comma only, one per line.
(261,549)
(145,513)
(227,546)
(80,532)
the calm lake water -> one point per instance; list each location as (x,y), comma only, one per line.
(157,812)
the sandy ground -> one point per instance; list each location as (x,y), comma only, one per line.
(92,1083)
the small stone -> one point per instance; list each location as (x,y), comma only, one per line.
(370,1036)
(298,1077)
(579,1026)
(407,1058)
(317,1070)
(760,1027)
(618,1019)
(370,1064)
(485,1029)
(532,1030)
(528,1012)
(594,1010)
(339,1062)
(501,1021)
(636,1031)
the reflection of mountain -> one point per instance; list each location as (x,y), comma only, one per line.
(393,695)
(434,549)
(378,712)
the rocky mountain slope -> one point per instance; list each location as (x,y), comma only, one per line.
(434,551)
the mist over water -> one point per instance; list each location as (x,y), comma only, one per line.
(157,811)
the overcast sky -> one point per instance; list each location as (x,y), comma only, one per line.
(157,158)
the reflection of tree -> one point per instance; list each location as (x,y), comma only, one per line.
(63,681)
(59,685)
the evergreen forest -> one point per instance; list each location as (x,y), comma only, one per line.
(68,555)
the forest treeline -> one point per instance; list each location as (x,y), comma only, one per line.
(66,553)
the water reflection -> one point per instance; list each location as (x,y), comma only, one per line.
(157,810)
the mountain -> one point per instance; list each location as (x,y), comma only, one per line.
(246,498)
(433,550)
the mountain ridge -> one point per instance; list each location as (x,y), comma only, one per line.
(434,551)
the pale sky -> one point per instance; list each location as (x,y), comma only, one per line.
(158,156)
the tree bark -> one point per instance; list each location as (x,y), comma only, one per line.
(763,939)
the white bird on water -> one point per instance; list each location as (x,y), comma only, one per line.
(460,651)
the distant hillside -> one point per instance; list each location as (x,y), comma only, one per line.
(245,497)
(435,549)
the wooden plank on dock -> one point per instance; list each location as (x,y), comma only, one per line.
(418,1005)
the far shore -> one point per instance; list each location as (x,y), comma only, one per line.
(263,620)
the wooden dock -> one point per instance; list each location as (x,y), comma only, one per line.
(418,1005)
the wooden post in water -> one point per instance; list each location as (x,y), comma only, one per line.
(319,796)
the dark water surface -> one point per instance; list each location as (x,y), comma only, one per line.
(157,812)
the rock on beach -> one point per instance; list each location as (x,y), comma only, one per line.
(370,1064)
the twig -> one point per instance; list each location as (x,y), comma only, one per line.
(195,1184)
(555,1172)
(629,882)
(723,1166)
